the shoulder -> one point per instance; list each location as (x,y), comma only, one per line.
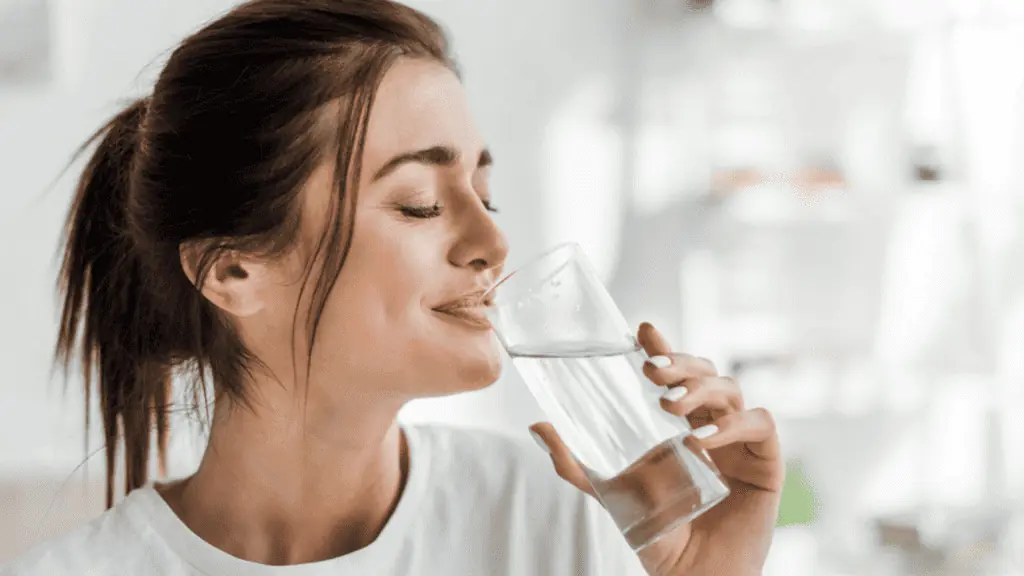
(112,543)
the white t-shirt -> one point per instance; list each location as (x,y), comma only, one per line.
(475,503)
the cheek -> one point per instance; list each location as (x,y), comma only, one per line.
(390,343)
(372,317)
(378,321)
(376,307)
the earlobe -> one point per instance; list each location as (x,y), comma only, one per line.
(233,283)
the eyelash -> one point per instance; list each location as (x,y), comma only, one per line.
(435,210)
(421,211)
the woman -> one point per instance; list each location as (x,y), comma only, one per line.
(300,214)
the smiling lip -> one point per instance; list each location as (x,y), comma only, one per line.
(472,317)
(470,310)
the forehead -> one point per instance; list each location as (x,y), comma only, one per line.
(419,104)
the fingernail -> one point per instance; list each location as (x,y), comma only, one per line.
(660,361)
(540,442)
(705,431)
(675,394)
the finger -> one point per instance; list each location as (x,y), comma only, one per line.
(755,428)
(652,340)
(565,465)
(718,394)
(672,369)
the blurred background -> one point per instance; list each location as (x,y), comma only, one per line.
(826,197)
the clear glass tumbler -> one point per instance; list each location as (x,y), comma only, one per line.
(581,361)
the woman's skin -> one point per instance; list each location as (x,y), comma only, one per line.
(315,467)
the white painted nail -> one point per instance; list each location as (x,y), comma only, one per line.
(660,361)
(675,394)
(540,442)
(705,431)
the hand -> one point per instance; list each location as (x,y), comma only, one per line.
(733,537)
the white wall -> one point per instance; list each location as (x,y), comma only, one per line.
(519,59)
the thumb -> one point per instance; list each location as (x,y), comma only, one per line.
(652,341)
(566,465)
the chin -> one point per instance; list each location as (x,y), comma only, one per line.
(477,375)
(480,379)
(468,371)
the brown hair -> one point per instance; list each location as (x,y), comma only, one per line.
(243,112)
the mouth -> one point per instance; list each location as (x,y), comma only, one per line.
(470,310)
(473,317)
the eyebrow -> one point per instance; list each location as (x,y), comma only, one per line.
(433,156)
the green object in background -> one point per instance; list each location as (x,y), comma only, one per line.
(799,504)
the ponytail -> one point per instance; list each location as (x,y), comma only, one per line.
(111,319)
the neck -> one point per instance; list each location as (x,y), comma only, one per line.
(294,486)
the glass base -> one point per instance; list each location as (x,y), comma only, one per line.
(671,484)
(664,521)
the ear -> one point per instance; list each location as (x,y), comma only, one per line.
(234,283)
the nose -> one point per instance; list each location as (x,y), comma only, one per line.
(481,245)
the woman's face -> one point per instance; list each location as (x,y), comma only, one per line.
(404,319)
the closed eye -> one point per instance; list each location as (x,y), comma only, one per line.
(435,210)
(432,211)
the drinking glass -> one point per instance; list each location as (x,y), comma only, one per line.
(582,363)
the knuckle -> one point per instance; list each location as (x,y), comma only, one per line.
(683,408)
(719,388)
(765,415)
(693,385)
(689,360)
(708,363)
(726,421)
(732,389)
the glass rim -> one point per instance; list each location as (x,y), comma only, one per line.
(572,248)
